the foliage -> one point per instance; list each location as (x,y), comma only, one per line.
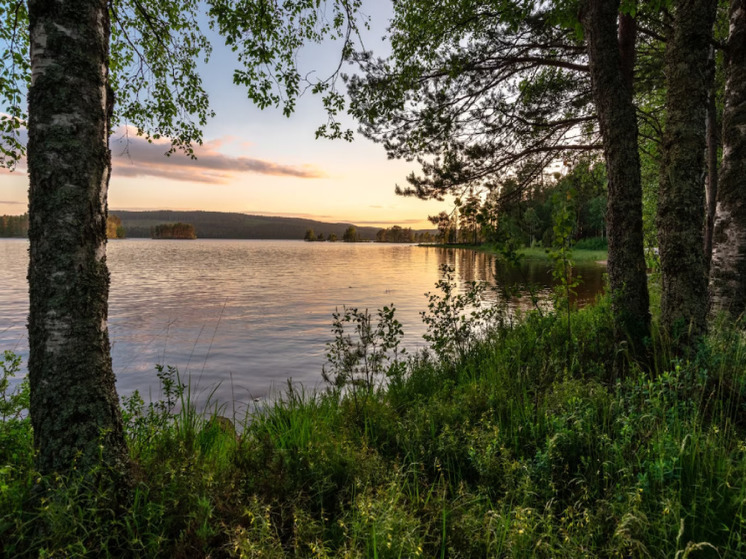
(14,225)
(114,228)
(267,36)
(174,231)
(15,75)
(512,450)
(144,422)
(396,234)
(454,320)
(351,235)
(477,93)
(157,48)
(592,243)
(561,254)
(14,402)
(359,363)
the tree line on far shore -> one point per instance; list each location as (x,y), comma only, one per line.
(14,225)
(351,235)
(395,234)
(174,231)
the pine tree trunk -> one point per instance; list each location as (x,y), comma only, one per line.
(681,189)
(612,92)
(728,269)
(74,405)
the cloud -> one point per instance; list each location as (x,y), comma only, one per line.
(133,156)
(7,203)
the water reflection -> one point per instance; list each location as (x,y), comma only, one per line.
(533,275)
(246,315)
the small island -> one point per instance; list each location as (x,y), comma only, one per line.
(173,231)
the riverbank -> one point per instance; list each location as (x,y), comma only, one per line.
(534,253)
(526,446)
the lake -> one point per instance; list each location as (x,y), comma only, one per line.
(246,315)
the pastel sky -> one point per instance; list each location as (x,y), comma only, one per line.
(261,162)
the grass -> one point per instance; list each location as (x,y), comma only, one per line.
(579,254)
(524,446)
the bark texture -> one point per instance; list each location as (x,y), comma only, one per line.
(713,142)
(728,268)
(681,197)
(74,405)
(612,93)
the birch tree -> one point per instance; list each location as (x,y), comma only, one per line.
(728,268)
(88,58)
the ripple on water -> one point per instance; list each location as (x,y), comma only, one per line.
(247,315)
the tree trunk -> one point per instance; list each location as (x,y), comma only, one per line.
(612,93)
(74,406)
(713,140)
(681,189)
(728,269)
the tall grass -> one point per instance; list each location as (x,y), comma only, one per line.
(510,449)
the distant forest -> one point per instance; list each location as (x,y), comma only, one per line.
(14,225)
(219,225)
(174,231)
(224,225)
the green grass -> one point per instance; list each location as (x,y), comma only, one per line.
(535,253)
(578,255)
(526,447)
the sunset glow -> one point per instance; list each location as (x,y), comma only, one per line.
(259,162)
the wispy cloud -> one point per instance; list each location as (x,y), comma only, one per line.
(8,203)
(133,156)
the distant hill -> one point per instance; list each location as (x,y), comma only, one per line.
(224,225)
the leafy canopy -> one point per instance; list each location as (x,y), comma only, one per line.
(477,90)
(156,47)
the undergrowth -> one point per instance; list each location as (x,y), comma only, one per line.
(508,447)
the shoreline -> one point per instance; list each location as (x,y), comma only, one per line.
(578,254)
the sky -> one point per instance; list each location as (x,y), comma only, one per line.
(260,162)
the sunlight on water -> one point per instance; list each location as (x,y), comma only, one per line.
(247,315)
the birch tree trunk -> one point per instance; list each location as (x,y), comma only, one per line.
(612,93)
(713,142)
(74,406)
(681,197)
(728,268)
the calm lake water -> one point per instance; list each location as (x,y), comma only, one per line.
(247,315)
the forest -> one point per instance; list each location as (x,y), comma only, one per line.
(173,231)
(14,225)
(231,225)
(612,431)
